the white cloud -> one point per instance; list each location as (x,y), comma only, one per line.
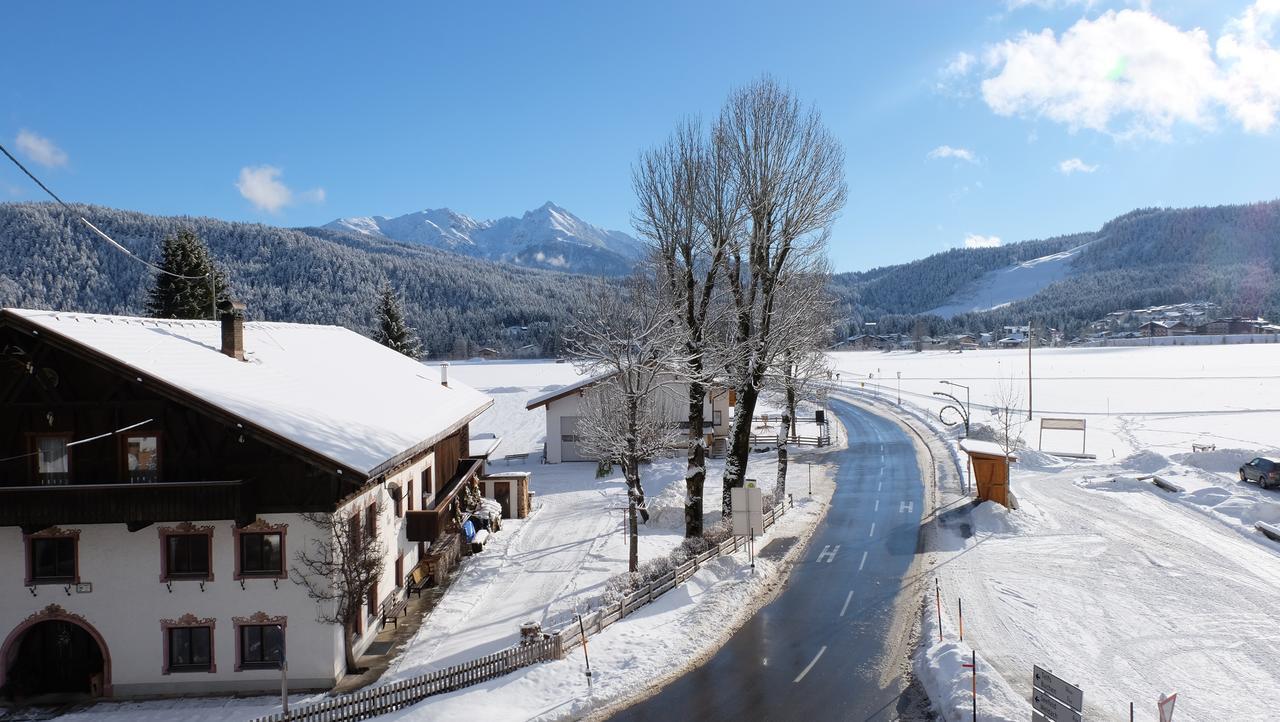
(1075,165)
(40,149)
(946,151)
(951,76)
(973,240)
(1132,74)
(1252,84)
(261,186)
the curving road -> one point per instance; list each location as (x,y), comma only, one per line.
(831,644)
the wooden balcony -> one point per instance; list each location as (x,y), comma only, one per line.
(427,525)
(42,505)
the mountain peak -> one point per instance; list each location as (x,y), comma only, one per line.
(548,236)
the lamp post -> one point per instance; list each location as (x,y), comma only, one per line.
(899,388)
(966,404)
(284,675)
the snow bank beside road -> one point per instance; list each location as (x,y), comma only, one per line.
(940,668)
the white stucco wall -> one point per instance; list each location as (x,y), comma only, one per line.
(674,401)
(128,600)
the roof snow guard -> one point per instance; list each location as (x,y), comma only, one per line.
(325,388)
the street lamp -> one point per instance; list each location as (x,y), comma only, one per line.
(899,388)
(966,405)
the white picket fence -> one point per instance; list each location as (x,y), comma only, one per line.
(375,701)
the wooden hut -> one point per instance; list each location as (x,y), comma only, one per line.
(989,465)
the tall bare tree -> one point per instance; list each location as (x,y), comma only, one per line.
(688,212)
(802,364)
(789,172)
(338,570)
(626,339)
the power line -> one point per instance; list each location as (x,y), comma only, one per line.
(99,231)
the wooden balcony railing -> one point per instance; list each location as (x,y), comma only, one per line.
(42,505)
(426,525)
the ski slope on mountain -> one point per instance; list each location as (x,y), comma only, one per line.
(1000,288)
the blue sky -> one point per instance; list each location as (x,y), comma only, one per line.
(956,117)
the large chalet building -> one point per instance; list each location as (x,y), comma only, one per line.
(159,477)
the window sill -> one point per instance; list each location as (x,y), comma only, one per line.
(262,575)
(188,578)
(185,670)
(53,581)
(258,666)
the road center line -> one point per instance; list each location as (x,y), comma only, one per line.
(873,529)
(847,599)
(879,484)
(877,505)
(861,563)
(815,661)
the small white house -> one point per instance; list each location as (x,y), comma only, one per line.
(563,415)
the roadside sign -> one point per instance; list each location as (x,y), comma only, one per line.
(1166,707)
(1051,709)
(1054,698)
(748,511)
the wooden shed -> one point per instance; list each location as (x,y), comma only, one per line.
(990,468)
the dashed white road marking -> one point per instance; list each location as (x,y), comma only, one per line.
(879,484)
(877,505)
(815,661)
(828,554)
(847,599)
(873,529)
(861,563)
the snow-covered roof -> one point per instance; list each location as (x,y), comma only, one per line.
(325,388)
(989,448)
(563,391)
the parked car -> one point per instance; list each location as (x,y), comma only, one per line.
(1264,471)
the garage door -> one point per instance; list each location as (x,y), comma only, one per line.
(569,439)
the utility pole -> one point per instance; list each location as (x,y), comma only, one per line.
(1030,343)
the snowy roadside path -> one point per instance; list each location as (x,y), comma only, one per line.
(531,573)
(1124,593)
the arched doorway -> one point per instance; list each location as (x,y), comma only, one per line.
(54,652)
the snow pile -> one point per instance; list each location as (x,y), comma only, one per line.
(1227,461)
(1145,461)
(939,666)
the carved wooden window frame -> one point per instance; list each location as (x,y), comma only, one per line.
(258,619)
(185,529)
(51,533)
(260,526)
(189,621)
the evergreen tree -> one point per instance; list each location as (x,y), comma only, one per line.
(185,254)
(392,330)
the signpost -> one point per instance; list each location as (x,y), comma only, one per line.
(1054,699)
(1166,707)
(748,514)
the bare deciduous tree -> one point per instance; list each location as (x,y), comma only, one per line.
(626,339)
(338,570)
(688,213)
(789,172)
(1007,415)
(802,366)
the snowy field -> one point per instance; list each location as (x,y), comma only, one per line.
(1125,590)
(552,565)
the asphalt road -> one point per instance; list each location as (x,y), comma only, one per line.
(828,646)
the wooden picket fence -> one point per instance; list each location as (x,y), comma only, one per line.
(374,701)
(768,440)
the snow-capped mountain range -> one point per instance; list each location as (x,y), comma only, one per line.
(546,237)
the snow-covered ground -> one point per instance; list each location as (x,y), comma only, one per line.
(1125,590)
(553,564)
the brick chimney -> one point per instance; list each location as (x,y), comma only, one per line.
(232,314)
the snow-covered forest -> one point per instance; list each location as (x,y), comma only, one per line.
(458,304)
(1226,254)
